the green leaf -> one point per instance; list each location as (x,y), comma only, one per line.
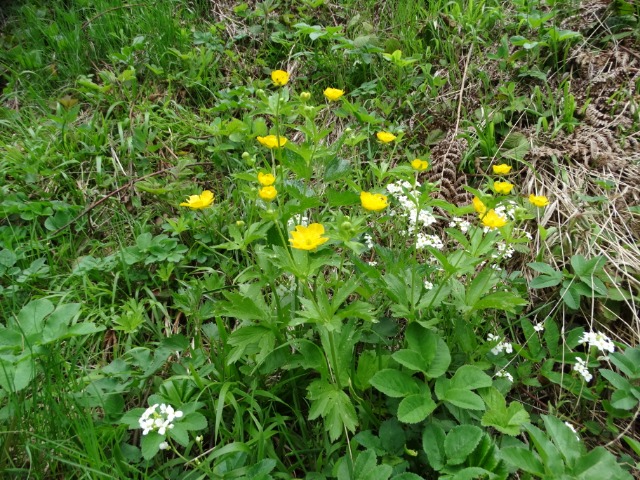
(599,464)
(415,408)
(179,433)
(565,439)
(24,373)
(545,281)
(433,438)
(506,420)
(506,301)
(150,444)
(31,317)
(334,406)
(366,467)
(470,377)
(483,283)
(411,359)
(543,268)
(461,441)
(193,421)
(464,398)
(57,323)
(549,454)
(523,459)
(394,383)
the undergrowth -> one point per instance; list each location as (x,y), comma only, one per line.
(296,239)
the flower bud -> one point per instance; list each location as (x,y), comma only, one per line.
(246,156)
(239,223)
(304,96)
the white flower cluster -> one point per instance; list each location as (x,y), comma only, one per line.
(598,340)
(409,198)
(460,223)
(505,347)
(582,369)
(373,263)
(503,251)
(297,220)
(152,420)
(368,241)
(423,240)
(428,285)
(507,210)
(539,327)
(504,374)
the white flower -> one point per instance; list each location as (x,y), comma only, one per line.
(598,340)
(368,241)
(152,420)
(423,240)
(373,263)
(504,250)
(428,285)
(582,369)
(163,446)
(501,346)
(199,439)
(539,327)
(504,374)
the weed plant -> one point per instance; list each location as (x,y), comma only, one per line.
(226,249)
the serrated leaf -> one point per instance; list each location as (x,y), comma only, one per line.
(150,444)
(394,383)
(470,377)
(193,421)
(461,441)
(433,438)
(464,398)
(506,301)
(415,408)
(334,406)
(523,459)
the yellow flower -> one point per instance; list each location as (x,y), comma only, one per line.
(503,187)
(271,141)
(386,137)
(268,193)
(307,238)
(373,201)
(538,200)
(199,201)
(420,165)
(333,94)
(280,78)
(266,179)
(501,169)
(478,206)
(492,220)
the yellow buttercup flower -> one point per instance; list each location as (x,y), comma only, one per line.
(374,202)
(419,165)
(492,220)
(199,201)
(501,169)
(266,179)
(538,200)
(478,206)
(271,141)
(307,238)
(280,78)
(333,94)
(503,187)
(386,137)
(267,193)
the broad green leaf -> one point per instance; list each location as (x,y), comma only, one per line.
(57,323)
(506,301)
(24,373)
(565,439)
(334,406)
(544,268)
(31,317)
(394,383)
(179,433)
(433,438)
(464,398)
(481,284)
(150,444)
(461,441)
(366,467)
(523,459)
(470,377)
(506,420)
(411,359)
(193,421)
(599,464)
(545,281)
(549,454)
(415,408)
